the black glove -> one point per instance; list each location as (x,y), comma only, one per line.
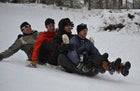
(67,47)
(1,57)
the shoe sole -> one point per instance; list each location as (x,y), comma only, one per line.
(125,70)
(127,65)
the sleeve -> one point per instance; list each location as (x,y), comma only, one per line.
(94,49)
(72,55)
(37,46)
(12,49)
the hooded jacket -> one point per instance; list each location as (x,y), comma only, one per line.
(57,41)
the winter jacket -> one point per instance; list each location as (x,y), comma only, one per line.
(80,46)
(43,37)
(57,41)
(24,42)
(58,44)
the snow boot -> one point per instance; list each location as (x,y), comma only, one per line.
(105,59)
(124,68)
(111,67)
(114,65)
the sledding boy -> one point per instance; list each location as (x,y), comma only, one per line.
(56,44)
(24,41)
(65,26)
(43,48)
(86,59)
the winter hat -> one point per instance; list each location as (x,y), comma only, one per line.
(24,24)
(66,21)
(63,22)
(49,21)
(80,27)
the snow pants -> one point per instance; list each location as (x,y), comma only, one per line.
(70,67)
(45,54)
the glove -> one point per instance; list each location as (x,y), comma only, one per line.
(67,47)
(32,64)
(1,57)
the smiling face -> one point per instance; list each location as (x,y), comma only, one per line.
(83,33)
(68,28)
(27,29)
(50,27)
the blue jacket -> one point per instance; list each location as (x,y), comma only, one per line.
(81,45)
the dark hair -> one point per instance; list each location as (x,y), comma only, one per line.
(80,27)
(24,24)
(49,21)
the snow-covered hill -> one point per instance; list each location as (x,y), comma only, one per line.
(15,76)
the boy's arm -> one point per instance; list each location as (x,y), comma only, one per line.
(12,49)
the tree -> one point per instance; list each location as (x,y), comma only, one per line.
(100,4)
(89,4)
(106,4)
(120,4)
(126,4)
(71,3)
(37,1)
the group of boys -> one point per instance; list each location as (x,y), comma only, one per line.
(74,53)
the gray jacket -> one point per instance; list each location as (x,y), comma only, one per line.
(23,42)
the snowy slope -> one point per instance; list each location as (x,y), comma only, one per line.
(15,76)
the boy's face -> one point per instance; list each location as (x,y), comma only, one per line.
(68,28)
(27,29)
(83,33)
(50,27)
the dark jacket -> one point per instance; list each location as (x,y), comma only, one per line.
(58,45)
(83,45)
(57,41)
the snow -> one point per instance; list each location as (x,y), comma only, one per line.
(15,76)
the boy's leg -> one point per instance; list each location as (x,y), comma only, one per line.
(43,53)
(66,64)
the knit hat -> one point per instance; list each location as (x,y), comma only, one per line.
(80,27)
(24,24)
(63,22)
(49,21)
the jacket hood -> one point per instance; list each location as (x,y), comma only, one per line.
(62,23)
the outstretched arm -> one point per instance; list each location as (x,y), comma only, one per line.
(12,49)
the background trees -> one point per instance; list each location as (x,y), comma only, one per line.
(90,4)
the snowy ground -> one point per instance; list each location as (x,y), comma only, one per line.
(15,76)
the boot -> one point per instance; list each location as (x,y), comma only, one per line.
(111,66)
(124,68)
(105,63)
(105,56)
(114,65)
